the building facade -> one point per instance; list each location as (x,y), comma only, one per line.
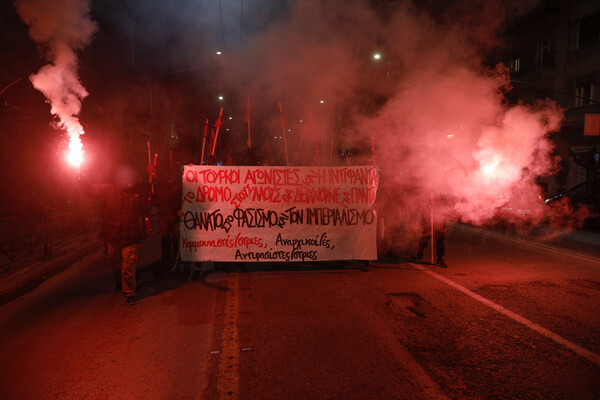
(554,53)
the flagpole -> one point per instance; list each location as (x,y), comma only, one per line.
(432,232)
(218,125)
(305,127)
(331,150)
(204,142)
(249,142)
(149,163)
(299,147)
(317,153)
(287,161)
(210,143)
(373,150)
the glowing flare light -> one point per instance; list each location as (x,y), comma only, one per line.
(489,169)
(75,154)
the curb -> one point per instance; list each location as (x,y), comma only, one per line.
(533,243)
(22,283)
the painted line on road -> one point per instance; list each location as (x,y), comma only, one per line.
(542,246)
(229,375)
(585,353)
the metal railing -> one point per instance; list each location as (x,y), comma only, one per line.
(38,236)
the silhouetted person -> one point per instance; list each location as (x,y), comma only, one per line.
(169,203)
(439,233)
(124,204)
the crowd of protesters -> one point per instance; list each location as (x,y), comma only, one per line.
(125,206)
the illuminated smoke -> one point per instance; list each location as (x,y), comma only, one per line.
(62,27)
(439,117)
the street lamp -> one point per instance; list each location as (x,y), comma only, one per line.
(377,56)
(221,98)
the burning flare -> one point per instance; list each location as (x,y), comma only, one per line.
(64,26)
(75,155)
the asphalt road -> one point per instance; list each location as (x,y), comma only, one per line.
(507,320)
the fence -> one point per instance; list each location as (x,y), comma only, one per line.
(39,236)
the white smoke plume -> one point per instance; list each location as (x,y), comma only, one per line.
(61,27)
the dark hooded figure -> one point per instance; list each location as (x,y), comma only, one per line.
(124,205)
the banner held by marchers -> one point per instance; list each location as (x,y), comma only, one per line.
(278,214)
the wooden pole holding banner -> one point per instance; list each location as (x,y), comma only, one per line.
(287,161)
(432,233)
(299,147)
(149,163)
(373,152)
(305,126)
(217,126)
(248,117)
(204,142)
(210,142)
(153,175)
(331,150)
(317,153)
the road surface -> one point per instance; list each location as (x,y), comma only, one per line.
(507,320)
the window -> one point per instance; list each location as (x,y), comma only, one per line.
(542,54)
(579,91)
(515,65)
(173,136)
(589,30)
(585,91)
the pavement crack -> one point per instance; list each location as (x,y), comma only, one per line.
(407,303)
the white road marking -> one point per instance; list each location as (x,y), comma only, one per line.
(531,243)
(585,353)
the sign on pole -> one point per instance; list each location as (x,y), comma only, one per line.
(283,214)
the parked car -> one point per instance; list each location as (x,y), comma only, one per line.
(583,201)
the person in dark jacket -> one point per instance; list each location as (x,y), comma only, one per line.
(124,204)
(439,233)
(441,206)
(168,197)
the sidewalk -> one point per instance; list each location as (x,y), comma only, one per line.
(587,242)
(25,278)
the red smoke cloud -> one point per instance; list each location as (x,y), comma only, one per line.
(439,117)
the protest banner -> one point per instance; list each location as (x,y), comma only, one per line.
(278,214)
